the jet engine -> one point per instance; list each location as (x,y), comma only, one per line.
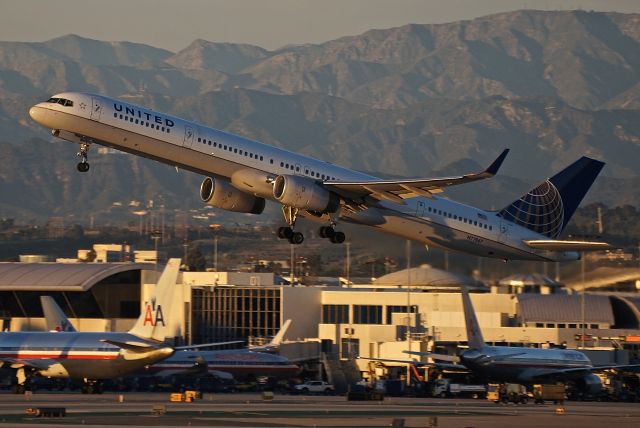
(221,194)
(589,384)
(305,194)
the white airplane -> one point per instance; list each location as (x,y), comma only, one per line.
(518,364)
(241,174)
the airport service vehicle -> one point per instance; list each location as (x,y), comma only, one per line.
(315,387)
(93,356)
(241,174)
(445,388)
(549,392)
(238,364)
(518,364)
(507,393)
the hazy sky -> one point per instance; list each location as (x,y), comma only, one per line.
(268,23)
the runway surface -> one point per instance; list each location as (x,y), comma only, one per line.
(251,410)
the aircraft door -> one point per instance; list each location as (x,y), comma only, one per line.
(188,137)
(96,109)
(505,231)
(420,209)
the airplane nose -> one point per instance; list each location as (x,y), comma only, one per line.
(37,114)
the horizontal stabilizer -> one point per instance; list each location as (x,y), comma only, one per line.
(554,245)
(136,347)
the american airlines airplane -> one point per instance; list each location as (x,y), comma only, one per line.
(518,364)
(93,356)
(241,174)
(239,364)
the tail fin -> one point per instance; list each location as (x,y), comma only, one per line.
(274,344)
(474,335)
(547,208)
(152,323)
(54,318)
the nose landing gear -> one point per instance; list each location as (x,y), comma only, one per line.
(83,154)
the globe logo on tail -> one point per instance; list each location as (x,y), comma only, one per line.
(540,210)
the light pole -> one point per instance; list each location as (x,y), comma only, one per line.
(214,228)
(409,308)
(582,269)
(348,267)
(156,235)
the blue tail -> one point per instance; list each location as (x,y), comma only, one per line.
(547,208)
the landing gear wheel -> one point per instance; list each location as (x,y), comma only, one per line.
(83,166)
(296,238)
(327,232)
(285,232)
(338,238)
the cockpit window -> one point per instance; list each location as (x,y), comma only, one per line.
(61,101)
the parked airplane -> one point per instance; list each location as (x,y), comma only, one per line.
(240,364)
(93,356)
(518,364)
(242,174)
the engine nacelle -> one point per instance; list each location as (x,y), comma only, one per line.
(305,194)
(221,194)
(589,384)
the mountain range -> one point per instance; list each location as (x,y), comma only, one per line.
(417,100)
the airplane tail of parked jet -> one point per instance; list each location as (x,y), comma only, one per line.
(54,318)
(153,322)
(547,208)
(474,334)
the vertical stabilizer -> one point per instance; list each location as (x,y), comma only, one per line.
(154,321)
(474,335)
(54,317)
(547,208)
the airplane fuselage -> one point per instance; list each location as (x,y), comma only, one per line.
(241,364)
(516,364)
(252,166)
(77,355)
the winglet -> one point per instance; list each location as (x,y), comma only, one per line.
(495,166)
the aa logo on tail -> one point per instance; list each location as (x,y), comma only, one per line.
(153,314)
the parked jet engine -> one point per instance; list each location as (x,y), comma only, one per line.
(303,193)
(221,194)
(589,384)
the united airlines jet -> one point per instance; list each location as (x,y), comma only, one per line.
(241,174)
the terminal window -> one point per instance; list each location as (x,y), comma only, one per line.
(367,314)
(335,314)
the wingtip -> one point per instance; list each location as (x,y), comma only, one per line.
(495,166)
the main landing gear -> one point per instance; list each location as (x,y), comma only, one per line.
(83,154)
(90,386)
(287,232)
(296,238)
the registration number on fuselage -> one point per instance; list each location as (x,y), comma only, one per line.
(475,239)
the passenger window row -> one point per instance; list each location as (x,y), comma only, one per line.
(231,149)
(311,173)
(460,218)
(142,123)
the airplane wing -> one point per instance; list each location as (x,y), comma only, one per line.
(136,347)
(442,366)
(39,364)
(206,345)
(586,370)
(555,245)
(440,357)
(397,190)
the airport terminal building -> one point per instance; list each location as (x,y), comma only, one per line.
(371,320)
